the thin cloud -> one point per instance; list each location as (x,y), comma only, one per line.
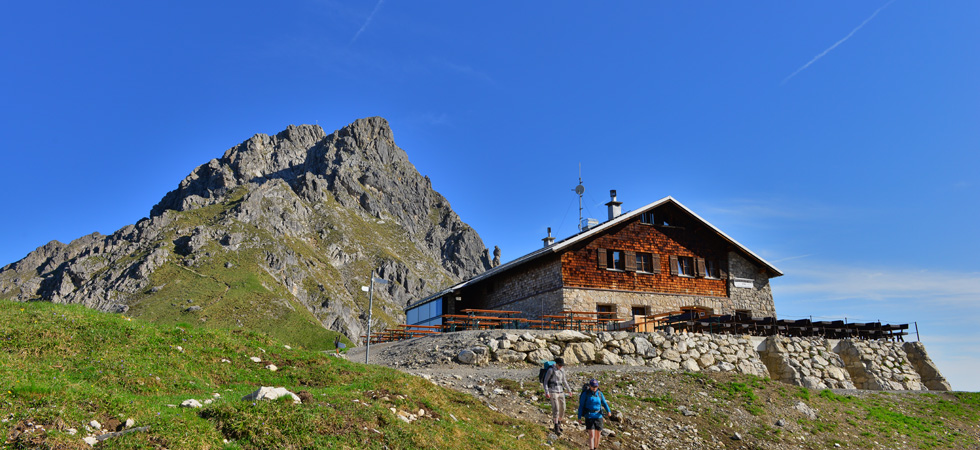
(377,6)
(790,258)
(822,54)
(836,282)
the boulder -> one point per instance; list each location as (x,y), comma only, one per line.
(608,357)
(271,393)
(571,336)
(671,355)
(472,356)
(690,365)
(580,352)
(524,346)
(509,356)
(644,347)
(539,355)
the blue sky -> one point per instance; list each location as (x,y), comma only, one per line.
(837,139)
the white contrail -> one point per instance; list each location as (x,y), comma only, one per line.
(371,16)
(821,55)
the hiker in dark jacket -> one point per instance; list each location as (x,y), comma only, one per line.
(554,381)
(590,405)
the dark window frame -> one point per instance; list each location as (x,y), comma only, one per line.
(685,266)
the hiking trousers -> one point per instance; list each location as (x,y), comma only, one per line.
(557,405)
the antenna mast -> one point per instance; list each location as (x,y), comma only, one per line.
(579,190)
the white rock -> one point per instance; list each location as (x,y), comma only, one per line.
(90,440)
(130,422)
(256,359)
(190,403)
(570,336)
(272,367)
(287,347)
(95,424)
(225,360)
(271,393)
(690,365)
(539,355)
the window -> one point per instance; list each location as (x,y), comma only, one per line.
(647,217)
(711,269)
(685,266)
(427,314)
(615,259)
(644,262)
(606,309)
(639,310)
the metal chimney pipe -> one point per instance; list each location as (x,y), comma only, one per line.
(614,206)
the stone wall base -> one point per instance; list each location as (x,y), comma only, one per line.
(814,362)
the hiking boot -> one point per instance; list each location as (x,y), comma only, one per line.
(557,429)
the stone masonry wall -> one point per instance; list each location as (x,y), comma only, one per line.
(758,298)
(548,302)
(879,365)
(809,362)
(514,289)
(927,369)
(815,363)
(687,352)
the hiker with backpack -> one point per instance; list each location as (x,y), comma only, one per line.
(554,381)
(590,405)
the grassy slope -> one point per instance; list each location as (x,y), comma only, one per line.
(234,290)
(63,366)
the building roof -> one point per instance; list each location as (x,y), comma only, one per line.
(594,231)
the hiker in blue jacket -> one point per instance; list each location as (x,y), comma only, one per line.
(590,405)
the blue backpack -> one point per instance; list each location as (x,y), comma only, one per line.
(544,370)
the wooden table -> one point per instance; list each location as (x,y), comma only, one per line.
(582,320)
(478,322)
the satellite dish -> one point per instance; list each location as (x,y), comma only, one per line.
(580,189)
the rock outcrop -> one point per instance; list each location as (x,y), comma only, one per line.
(277,226)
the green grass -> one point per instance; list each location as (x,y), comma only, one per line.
(64,366)
(744,392)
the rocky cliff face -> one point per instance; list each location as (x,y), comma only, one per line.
(285,227)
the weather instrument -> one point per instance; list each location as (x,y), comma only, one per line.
(579,190)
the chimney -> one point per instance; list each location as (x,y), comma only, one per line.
(548,240)
(614,206)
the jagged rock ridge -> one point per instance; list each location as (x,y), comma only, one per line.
(297,220)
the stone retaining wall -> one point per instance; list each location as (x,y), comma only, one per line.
(880,365)
(927,369)
(811,362)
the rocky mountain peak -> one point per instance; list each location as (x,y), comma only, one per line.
(314,212)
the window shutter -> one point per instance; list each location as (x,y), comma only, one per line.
(630,261)
(699,268)
(673,264)
(655,262)
(601,257)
